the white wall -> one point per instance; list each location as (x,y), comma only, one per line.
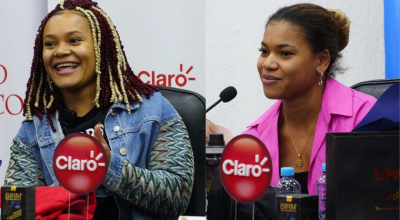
(234,30)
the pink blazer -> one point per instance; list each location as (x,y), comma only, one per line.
(342,109)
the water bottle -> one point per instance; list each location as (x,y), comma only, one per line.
(287,184)
(321,192)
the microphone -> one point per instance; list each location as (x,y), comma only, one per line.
(226,95)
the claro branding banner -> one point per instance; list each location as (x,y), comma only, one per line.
(164,43)
(11,104)
(179,79)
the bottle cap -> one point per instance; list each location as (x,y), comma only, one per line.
(287,171)
(323,167)
(216,140)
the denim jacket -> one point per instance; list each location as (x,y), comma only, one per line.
(151,167)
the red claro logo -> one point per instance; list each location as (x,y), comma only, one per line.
(246,168)
(13,103)
(167,80)
(80,163)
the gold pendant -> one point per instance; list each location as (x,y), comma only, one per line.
(299,162)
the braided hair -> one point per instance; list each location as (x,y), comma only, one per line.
(115,80)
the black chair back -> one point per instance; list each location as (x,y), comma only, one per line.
(374,88)
(191,107)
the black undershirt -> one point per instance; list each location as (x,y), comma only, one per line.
(302,179)
(106,207)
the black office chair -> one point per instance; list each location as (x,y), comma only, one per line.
(191,107)
(374,88)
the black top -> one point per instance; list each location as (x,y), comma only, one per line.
(72,124)
(302,179)
(106,207)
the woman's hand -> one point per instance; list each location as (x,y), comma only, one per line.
(212,128)
(99,136)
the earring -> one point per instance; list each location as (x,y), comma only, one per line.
(321,79)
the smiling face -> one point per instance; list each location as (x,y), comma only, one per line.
(287,65)
(68,52)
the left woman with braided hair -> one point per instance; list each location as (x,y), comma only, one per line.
(81,82)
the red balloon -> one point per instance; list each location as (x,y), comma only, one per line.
(80,163)
(246,168)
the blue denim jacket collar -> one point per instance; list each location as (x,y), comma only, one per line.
(133,106)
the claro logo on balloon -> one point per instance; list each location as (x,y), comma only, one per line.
(240,169)
(80,163)
(246,168)
(68,163)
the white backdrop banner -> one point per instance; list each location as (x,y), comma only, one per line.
(164,43)
(19,21)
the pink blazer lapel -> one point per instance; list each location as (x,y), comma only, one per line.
(320,133)
(268,130)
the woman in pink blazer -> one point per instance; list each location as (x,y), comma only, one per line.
(298,60)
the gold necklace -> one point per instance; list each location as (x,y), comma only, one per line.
(299,162)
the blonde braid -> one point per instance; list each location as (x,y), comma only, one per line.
(137,95)
(38,89)
(113,98)
(51,89)
(96,46)
(28,106)
(49,82)
(117,91)
(120,57)
(44,102)
(98,56)
(51,101)
(62,4)
(44,98)
(139,98)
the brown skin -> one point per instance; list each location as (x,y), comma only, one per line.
(100,138)
(212,128)
(67,38)
(290,71)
